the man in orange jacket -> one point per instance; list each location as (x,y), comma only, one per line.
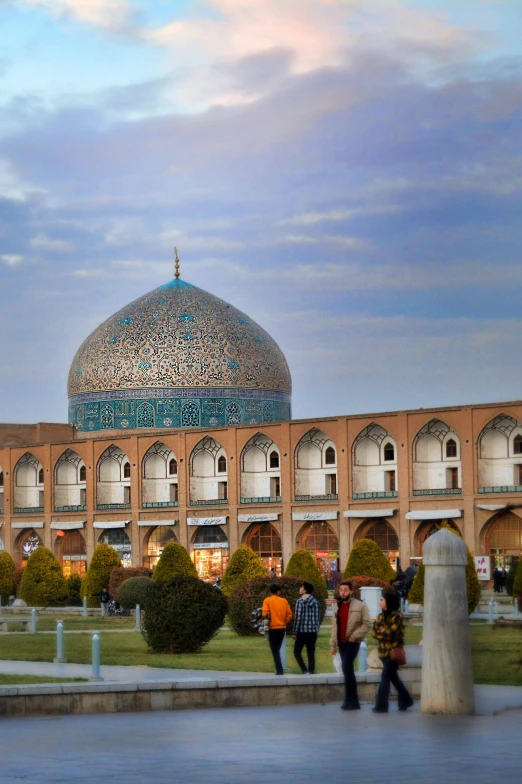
(280,615)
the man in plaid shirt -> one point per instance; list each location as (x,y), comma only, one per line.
(306,627)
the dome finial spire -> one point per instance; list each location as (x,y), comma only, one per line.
(176,264)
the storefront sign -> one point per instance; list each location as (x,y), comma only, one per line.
(321,553)
(483,567)
(157,522)
(258,518)
(210,545)
(206,520)
(314,515)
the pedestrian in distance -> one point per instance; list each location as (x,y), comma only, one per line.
(306,627)
(278,611)
(351,624)
(272,574)
(388,630)
(105,598)
(497,579)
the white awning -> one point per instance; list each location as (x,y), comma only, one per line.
(433,514)
(314,515)
(206,520)
(157,522)
(28,524)
(72,525)
(110,523)
(491,507)
(258,518)
(370,512)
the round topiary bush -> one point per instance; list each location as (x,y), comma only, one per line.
(17,579)
(104,560)
(7,567)
(74,587)
(174,562)
(43,583)
(251,595)
(122,573)
(302,565)
(368,560)
(182,615)
(134,591)
(510,579)
(367,582)
(244,565)
(517,582)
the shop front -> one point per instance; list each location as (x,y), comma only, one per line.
(160,535)
(114,534)
(27,542)
(264,539)
(319,538)
(210,546)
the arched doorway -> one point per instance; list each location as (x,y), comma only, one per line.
(119,540)
(27,542)
(158,539)
(72,552)
(210,552)
(266,542)
(380,531)
(320,539)
(427,529)
(504,539)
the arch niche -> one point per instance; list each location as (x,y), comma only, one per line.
(315,467)
(119,540)
(71,550)
(320,539)
(208,473)
(374,460)
(160,477)
(260,470)
(28,484)
(500,456)
(70,483)
(426,529)
(265,540)
(113,479)
(210,545)
(155,542)
(27,541)
(436,460)
(503,539)
(379,530)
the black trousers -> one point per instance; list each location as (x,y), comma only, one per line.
(275,639)
(309,640)
(390,674)
(349,651)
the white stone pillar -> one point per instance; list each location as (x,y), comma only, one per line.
(447,674)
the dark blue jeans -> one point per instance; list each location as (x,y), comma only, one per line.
(390,675)
(309,640)
(275,638)
(349,651)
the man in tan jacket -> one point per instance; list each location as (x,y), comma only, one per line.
(351,624)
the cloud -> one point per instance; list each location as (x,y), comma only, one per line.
(111,15)
(41,242)
(12,259)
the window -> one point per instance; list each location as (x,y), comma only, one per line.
(126,471)
(331,484)
(452,475)
(173,491)
(222,491)
(275,487)
(329,456)
(41,476)
(517,445)
(83,474)
(173,467)
(1,478)
(390,483)
(126,495)
(222,464)
(389,452)
(451,448)
(83,498)
(518,474)
(274,459)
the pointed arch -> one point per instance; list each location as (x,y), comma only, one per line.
(70,475)
(208,484)
(260,470)
(374,461)
(28,484)
(113,479)
(436,460)
(499,461)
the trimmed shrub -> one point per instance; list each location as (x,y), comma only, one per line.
(43,583)
(7,585)
(367,582)
(122,573)
(368,560)
(74,587)
(416,592)
(510,577)
(17,579)
(104,560)
(517,582)
(174,562)
(244,565)
(302,565)
(251,595)
(134,591)
(182,615)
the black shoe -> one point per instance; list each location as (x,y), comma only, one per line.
(403,708)
(304,672)
(350,706)
(379,710)
(280,673)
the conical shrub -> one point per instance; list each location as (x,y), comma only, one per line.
(302,565)
(174,562)
(517,582)
(244,565)
(7,567)
(368,560)
(104,560)
(43,583)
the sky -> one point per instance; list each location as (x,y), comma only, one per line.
(347,172)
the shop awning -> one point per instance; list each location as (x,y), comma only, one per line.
(312,516)
(28,524)
(491,507)
(70,525)
(433,514)
(110,523)
(157,522)
(370,512)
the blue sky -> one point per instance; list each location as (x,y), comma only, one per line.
(347,172)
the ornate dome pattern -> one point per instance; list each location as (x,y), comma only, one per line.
(178,357)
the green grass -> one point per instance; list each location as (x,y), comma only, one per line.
(8,680)
(497,652)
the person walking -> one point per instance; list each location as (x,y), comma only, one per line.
(388,630)
(105,598)
(278,611)
(306,627)
(351,623)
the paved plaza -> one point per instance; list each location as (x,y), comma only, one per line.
(301,744)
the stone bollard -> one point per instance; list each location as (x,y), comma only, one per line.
(96,675)
(33,621)
(137,626)
(491,611)
(447,676)
(362,658)
(59,659)
(84,606)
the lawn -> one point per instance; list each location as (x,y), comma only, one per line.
(497,652)
(19,680)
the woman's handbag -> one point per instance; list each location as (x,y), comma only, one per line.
(398,655)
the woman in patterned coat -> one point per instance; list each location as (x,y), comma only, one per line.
(388,629)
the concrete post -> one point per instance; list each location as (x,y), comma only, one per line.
(491,611)
(60,659)
(516,608)
(33,621)
(447,677)
(96,676)
(84,606)
(362,659)
(137,627)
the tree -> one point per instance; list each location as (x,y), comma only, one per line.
(104,560)
(368,560)
(517,583)
(123,573)
(244,565)
(43,583)
(7,567)
(302,565)
(174,562)
(134,591)
(74,587)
